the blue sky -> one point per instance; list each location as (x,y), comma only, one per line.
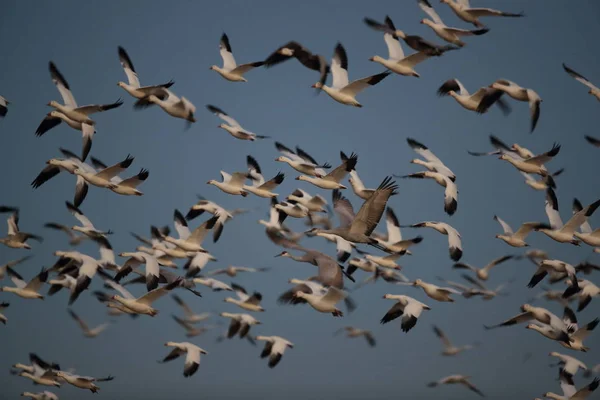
(179,41)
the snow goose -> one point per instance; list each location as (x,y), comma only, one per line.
(70,163)
(70,108)
(143,304)
(576,338)
(195,264)
(301,161)
(190,241)
(569,365)
(564,233)
(393,242)
(152,269)
(16,239)
(128,186)
(450,188)
(499,146)
(449,348)
(588,291)
(518,93)
(358,228)
(173,105)
(312,203)
(332,180)
(87,332)
(44,378)
(457,379)
(310,286)
(83,382)
(483,273)
(74,239)
(435,292)
(26,290)
(353,332)
(88,267)
(231,184)
(133,86)
(450,35)
(190,316)
(570,392)
(54,118)
(539,314)
(415,42)
(231,71)
(45,395)
(408,308)
(215,284)
(432,163)
(594,91)
(342,90)
(343,247)
(190,330)
(324,302)
(86,228)
(3,318)
(260,187)
(358,187)
(533,165)
(292,209)
(454,238)
(217,211)
(517,239)
(11,264)
(232,126)
(240,323)
(104,177)
(388,261)
(463,10)
(274,348)
(471,102)
(232,271)
(397,62)
(543,183)
(3,107)
(303,55)
(587,235)
(276,218)
(245,301)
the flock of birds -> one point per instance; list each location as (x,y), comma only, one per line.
(154,262)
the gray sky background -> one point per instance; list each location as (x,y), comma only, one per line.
(179,40)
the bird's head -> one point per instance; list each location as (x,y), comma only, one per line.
(121,84)
(211,182)
(317,85)
(417,282)
(53,103)
(526,307)
(213,68)
(312,232)
(283,254)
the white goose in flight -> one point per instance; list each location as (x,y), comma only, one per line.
(231,184)
(133,86)
(449,348)
(135,259)
(518,93)
(473,102)
(177,107)
(358,186)
(456,379)
(86,228)
(232,126)
(353,332)
(45,395)
(324,301)
(301,161)
(230,70)
(55,117)
(70,108)
(260,187)
(484,273)
(244,300)
(406,307)
(432,162)
(332,180)
(189,241)
(450,188)
(105,177)
(69,164)
(450,35)
(342,90)
(570,392)
(87,332)
(397,62)
(16,239)
(594,90)
(532,165)
(563,233)
(464,11)
(517,239)
(274,348)
(393,242)
(143,304)
(192,358)
(454,240)
(26,290)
